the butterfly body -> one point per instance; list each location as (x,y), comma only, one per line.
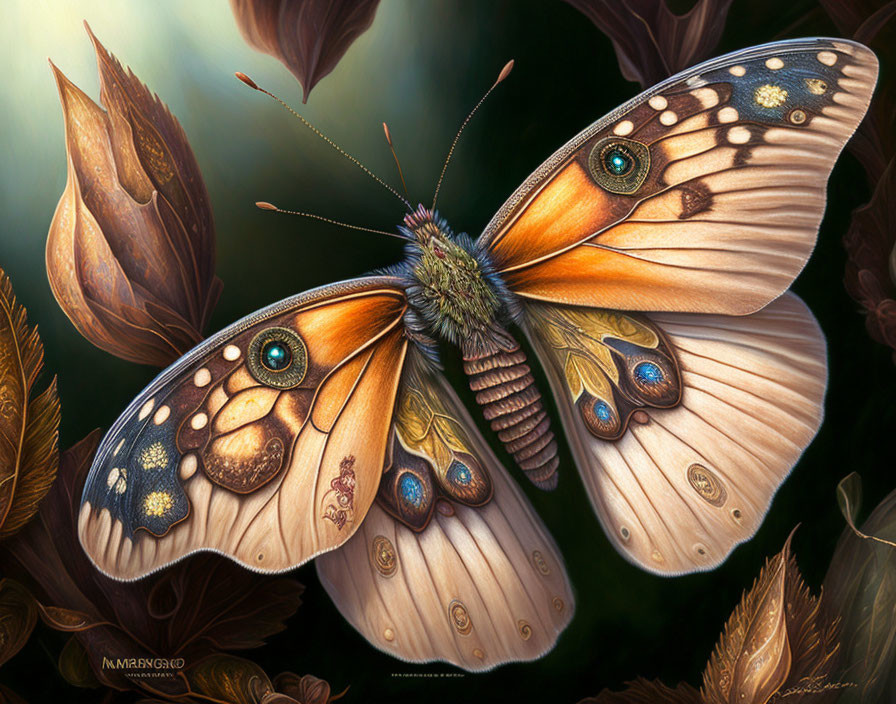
(647,262)
(455,295)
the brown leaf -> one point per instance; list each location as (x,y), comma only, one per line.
(74,665)
(308,36)
(869,243)
(18,615)
(776,641)
(643,691)
(860,588)
(29,421)
(307,689)
(7,696)
(199,607)
(130,251)
(230,679)
(652,42)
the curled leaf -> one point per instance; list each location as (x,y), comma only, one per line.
(130,251)
(74,665)
(229,678)
(18,614)
(651,42)
(307,689)
(200,607)
(309,37)
(776,641)
(29,421)
(860,587)
(643,691)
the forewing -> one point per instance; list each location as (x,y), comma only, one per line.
(233,449)
(451,562)
(718,210)
(684,485)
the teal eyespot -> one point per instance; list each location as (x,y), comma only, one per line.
(278,357)
(459,473)
(618,162)
(619,165)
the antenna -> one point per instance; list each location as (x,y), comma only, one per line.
(252,84)
(508,67)
(264,205)
(395,156)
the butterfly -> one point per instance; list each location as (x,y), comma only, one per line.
(647,262)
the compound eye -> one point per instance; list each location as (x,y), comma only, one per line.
(278,357)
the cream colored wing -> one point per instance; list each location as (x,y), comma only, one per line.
(451,562)
(683,485)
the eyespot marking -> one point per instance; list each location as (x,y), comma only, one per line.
(278,357)
(816,86)
(707,485)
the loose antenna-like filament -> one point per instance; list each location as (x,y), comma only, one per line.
(501,76)
(252,84)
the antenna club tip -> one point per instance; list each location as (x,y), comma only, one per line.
(505,72)
(245,79)
(388,134)
(264,205)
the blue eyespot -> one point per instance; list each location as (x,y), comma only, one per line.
(618,162)
(411,489)
(602,411)
(648,373)
(459,473)
(275,355)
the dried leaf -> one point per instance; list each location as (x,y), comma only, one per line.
(776,641)
(18,615)
(130,251)
(643,691)
(230,679)
(7,696)
(652,42)
(870,243)
(860,587)
(29,421)
(199,607)
(307,689)
(309,37)
(74,665)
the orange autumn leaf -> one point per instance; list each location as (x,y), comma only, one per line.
(131,249)
(29,421)
(776,642)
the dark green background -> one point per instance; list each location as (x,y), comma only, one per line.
(421,67)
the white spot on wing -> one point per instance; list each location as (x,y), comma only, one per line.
(188,466)
(199,421)
(668,118)
(231,353)
(828,58)
(161,415)
(658,102)
(728,114)
(774,63)
(202,377)
(739,135)
(146,409)
(737,70)
(623,128)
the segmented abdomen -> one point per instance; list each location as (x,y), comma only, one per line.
(512,404)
